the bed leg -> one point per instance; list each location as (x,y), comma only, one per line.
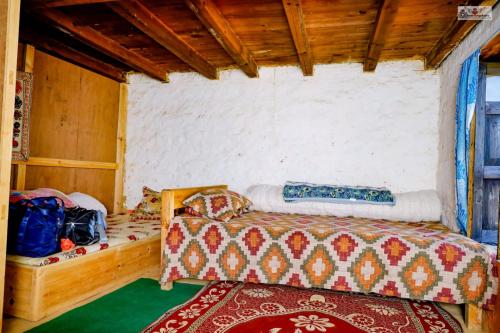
(473,317)
(167,286)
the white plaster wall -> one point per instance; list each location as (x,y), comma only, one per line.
(449,73)
(339,126)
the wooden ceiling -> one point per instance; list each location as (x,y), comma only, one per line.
(491,51)
(157,37)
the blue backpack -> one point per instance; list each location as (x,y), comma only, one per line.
(35,226)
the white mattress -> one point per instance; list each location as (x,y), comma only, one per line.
(410,207)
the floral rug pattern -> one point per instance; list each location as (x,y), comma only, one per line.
(230,307)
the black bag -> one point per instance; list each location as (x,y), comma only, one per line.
(80,226)
(35,226)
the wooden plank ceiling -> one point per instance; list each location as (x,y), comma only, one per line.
(491,51)
(157,37)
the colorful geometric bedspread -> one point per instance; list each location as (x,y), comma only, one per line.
(423,261)
(121,229)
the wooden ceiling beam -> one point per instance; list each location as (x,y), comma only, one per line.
(454,34)
(137,14)
(60,50)
(295,17)
(104,44)
(491,51)
(211,17)
(62,3)
(385,16)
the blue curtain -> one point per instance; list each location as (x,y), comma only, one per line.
(466,104)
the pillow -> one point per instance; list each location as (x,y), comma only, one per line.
(218,204)
(150,205)
(88,202)
(410,206)
(41,192)
(294,191)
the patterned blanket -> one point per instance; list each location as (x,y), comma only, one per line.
(423,261)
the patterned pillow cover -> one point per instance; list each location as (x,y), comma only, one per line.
(217,204)
(295,192)
(150,206)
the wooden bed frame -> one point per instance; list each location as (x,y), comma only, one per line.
(35,292)
(172,200)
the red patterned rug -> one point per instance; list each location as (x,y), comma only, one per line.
(247,308)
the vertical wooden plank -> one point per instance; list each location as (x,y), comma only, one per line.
(491,204)
(167,214)
(473,317)
(20,175)
(9,31)
(29,58)
(479,155)
(470,194)
(121,135)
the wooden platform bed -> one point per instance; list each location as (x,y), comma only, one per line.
(33,293)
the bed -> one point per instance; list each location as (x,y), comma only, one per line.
(39,287)
(423,261)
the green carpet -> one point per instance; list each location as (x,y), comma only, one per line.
(128,309)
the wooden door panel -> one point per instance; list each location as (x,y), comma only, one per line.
(490,212)
(486,166)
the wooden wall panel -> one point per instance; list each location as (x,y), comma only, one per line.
(98,183)
(74,112)
(74,116)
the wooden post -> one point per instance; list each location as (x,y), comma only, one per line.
(478,182)
(9,32)
(473,317)
(29,58)
(121,136)
(167,214)
(20,181)
(470,181)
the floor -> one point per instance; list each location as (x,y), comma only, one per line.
(19,325)
(128,309)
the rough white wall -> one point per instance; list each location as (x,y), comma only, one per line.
(339,126)
(450,72)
